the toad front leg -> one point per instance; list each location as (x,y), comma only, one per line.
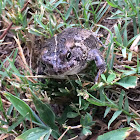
(95,55)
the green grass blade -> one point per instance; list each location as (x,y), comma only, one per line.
(45,112)
(121,99)
(2,110)
(132,39)
(118,35)
(34,134)
(102,96)
(138,12)
(125,41)
(134,25)
(107,111)
(119,134)
(126,104)
(115,115)
(101,13)
(68,12)
(22,107)
(18,121)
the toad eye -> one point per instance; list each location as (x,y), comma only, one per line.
(68,56)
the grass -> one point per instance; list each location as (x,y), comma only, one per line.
(63,109)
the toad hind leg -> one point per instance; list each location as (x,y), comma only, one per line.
(95,55)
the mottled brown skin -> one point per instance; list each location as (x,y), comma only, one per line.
(67,53)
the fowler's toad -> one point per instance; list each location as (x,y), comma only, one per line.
(67,53)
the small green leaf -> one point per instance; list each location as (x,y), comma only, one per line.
(45,112)
(111,77)
(128,82)
(119,134)
(84,104)
(124,52)
(86,131)
(103,77)
(55,134)
(115,115)
(22,107)
(72,114)
(34,134)
(107,111)
(86,120)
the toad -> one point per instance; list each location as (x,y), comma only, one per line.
(68,53)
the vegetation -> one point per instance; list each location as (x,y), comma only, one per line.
(75,107)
